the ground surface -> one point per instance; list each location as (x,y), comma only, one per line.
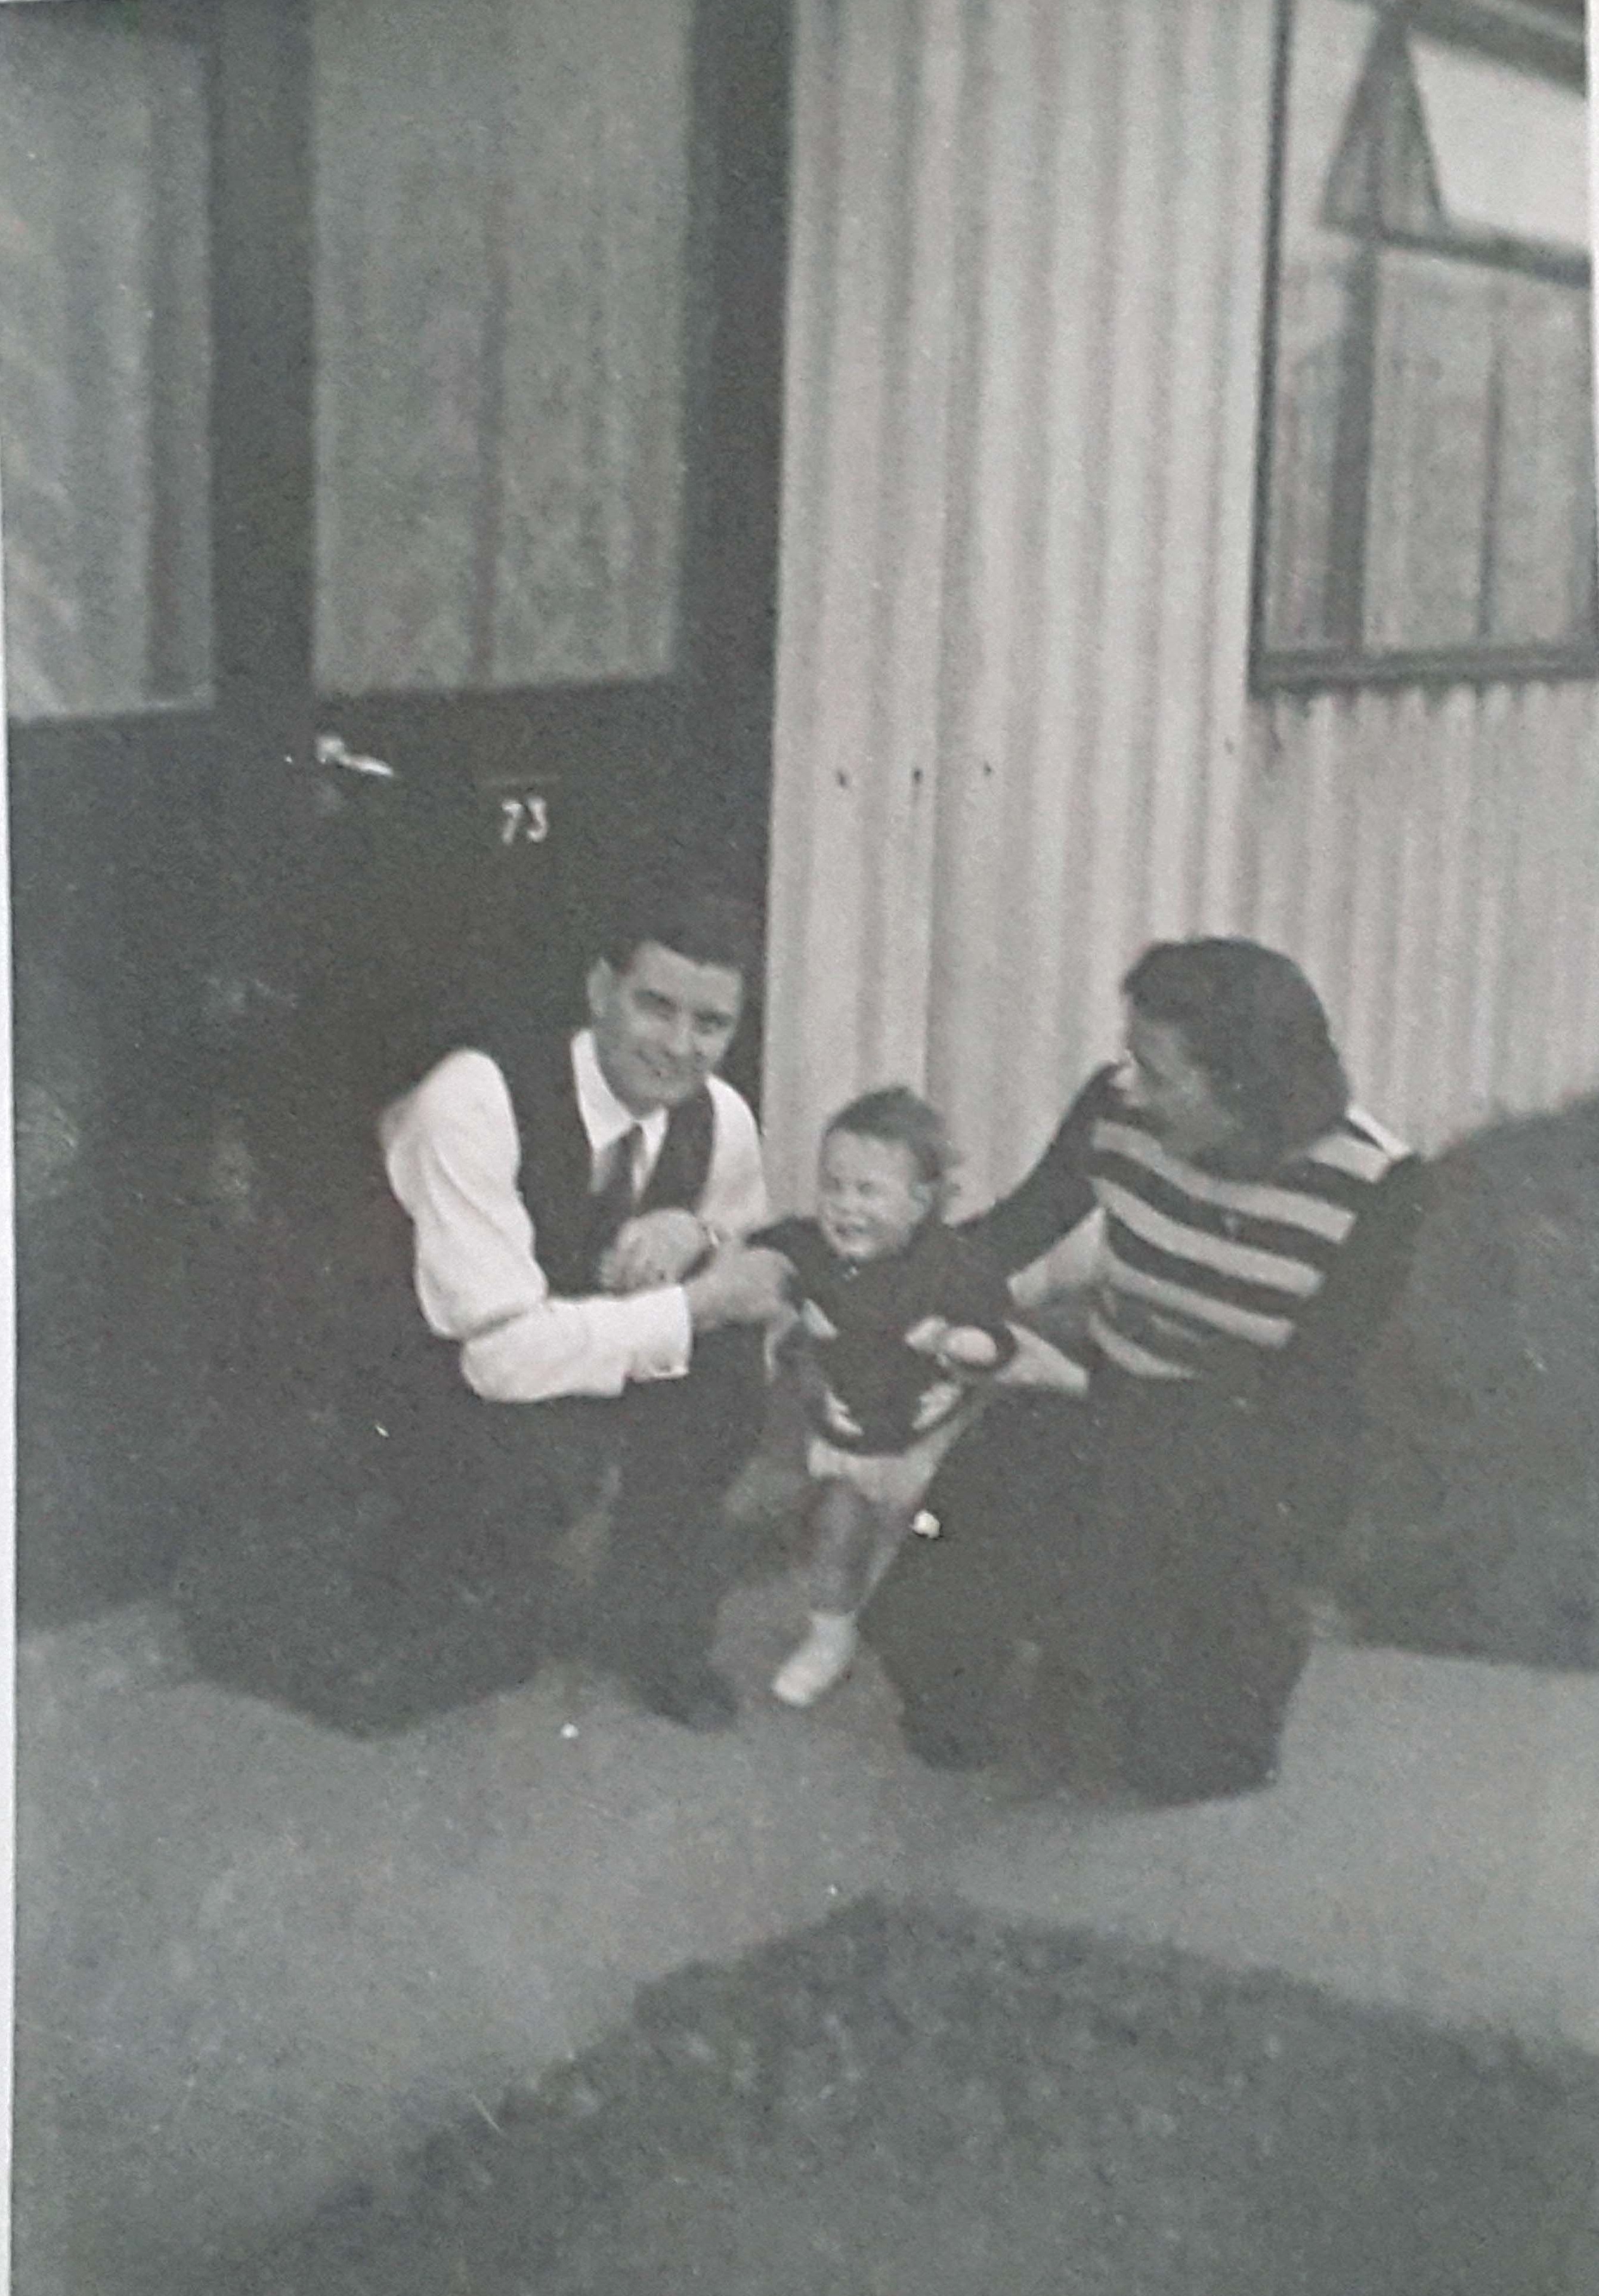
(900,2100)
(281,1915)
(260,1960)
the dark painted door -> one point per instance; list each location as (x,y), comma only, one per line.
(390,406)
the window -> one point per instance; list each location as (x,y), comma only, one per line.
(104,361)
(1427,498)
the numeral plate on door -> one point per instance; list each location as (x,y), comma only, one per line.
(524,817)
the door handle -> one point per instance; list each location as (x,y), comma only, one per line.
(334,750)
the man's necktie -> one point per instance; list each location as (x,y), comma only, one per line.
(616,1197)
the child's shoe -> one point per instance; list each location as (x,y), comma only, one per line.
(820,1660)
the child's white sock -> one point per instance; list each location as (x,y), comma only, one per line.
(820,1659)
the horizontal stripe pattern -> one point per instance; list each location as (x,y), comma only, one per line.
(1129,1356)
(1297,1244)
(1192,1259)
(1254,1199)
(1348,1152)
(1201,1306)
(1132,1251)
(1244,1262)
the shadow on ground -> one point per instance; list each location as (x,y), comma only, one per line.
(902,2100)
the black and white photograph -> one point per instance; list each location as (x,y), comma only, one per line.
(803,809)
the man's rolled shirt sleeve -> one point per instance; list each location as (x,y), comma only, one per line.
(452,1155)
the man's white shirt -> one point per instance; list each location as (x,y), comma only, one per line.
(453,1155)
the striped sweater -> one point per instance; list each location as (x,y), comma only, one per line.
(1203,1277)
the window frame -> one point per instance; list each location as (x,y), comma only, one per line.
(1352,662)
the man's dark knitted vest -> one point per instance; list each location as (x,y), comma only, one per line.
(556,1178)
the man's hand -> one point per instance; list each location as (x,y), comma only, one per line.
(742,1285)
(936,1403)
(656,1248)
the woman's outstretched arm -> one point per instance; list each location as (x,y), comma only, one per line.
(1056,1194)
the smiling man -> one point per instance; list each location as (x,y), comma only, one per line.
(578,1206)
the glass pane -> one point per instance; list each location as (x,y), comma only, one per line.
(1541,573)
(105,362)
(1329,45)
(502,207)
(1434,414)
(1511,150)
(1481,512)
(1310,354)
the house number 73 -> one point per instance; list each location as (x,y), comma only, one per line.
(524,820)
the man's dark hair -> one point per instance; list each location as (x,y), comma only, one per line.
(898,1115)
(699,921)
(1252,1022)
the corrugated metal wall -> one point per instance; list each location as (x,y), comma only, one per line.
(1433,861)
(1013,741)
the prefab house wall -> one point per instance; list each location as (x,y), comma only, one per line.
(1015,739)
(1433,859)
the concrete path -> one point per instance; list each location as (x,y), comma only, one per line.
(1432,1843)
(256,1958)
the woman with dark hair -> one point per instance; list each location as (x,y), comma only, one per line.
(1146,1553)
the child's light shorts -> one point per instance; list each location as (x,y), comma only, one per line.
(895,1480)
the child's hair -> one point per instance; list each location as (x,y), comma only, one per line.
(898,1115)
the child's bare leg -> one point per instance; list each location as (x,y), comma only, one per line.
(847,1535)
(852,1542)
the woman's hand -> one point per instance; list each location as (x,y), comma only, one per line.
(1036,1364)
(966,1348)
(957,1347)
